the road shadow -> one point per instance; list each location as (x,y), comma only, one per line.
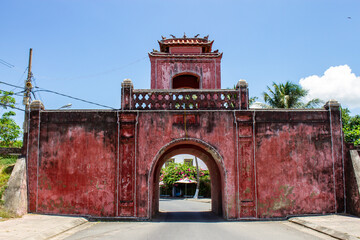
(204,216)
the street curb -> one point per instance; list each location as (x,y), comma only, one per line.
(72,231)
(198,200)
(322,229)
(51,233)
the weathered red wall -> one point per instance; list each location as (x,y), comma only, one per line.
(102,163)
(164,69)
(299,164)
(72,169)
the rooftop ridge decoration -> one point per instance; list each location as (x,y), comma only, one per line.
(203,42)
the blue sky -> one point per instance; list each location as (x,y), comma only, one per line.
(85,48)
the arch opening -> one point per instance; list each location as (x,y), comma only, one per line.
(183,177)
(186,81)
(213,163)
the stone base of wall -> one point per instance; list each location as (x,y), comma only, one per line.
(15,196)
(353,183)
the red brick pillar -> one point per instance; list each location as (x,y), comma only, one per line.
(126,94)
(32,156)
(246,201)
(127,166)
(242,87)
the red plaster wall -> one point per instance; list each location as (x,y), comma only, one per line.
(164,69)
(72,170)
(101,163)
(295,166)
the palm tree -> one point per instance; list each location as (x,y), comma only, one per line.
(288,95)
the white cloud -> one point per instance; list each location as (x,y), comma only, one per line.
(337,83)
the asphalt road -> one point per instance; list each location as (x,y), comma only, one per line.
(186,220)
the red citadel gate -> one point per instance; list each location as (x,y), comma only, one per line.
(264,163)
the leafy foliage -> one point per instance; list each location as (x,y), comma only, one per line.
(351,127)
(177,171)
(6,164)
(288,95)
(252,100)
(9,130)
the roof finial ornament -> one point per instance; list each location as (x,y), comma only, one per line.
(172,36)
(163,38)
(196,35)
(184,35)
(206,37)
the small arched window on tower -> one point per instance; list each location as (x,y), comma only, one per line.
(186,81)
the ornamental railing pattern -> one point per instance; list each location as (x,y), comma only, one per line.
(184,99)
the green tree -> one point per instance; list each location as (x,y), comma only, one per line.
(351,127)
(288,95)
(9,130)
(177,171)
(252,100)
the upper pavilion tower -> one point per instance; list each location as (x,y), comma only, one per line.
(185,63)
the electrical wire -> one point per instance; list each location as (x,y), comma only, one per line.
(22,75)
(12,107)
(110,70)
(61,94)
(11,85)
(79,99)
(5,63)
(21,93)
(38,93)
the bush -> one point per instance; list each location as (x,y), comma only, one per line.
(177,171)
(351,127)
(6,166)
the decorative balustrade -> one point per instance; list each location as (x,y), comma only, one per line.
(184,99)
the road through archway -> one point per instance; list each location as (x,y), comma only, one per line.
(201,150)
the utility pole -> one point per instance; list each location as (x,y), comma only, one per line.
(26,102)
(28,85)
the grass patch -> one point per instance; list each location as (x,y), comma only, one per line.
(5,214)
(7,160)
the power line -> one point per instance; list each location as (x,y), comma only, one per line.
(5,63)
(94,74)
(11,85)
(20,77)
(110,70)
(35,84)
(12,107)
(10,93)
(61,94)
(79,99)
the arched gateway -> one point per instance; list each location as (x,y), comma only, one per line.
(200,149)
(264,163)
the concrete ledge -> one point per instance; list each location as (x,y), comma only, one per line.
(15,196)
(338,226)
(203,200)
(32,226)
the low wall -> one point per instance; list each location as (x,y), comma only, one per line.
(10,151)
(353,182)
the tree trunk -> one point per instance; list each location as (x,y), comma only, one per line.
(197,179)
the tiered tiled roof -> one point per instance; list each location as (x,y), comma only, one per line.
(204,43)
